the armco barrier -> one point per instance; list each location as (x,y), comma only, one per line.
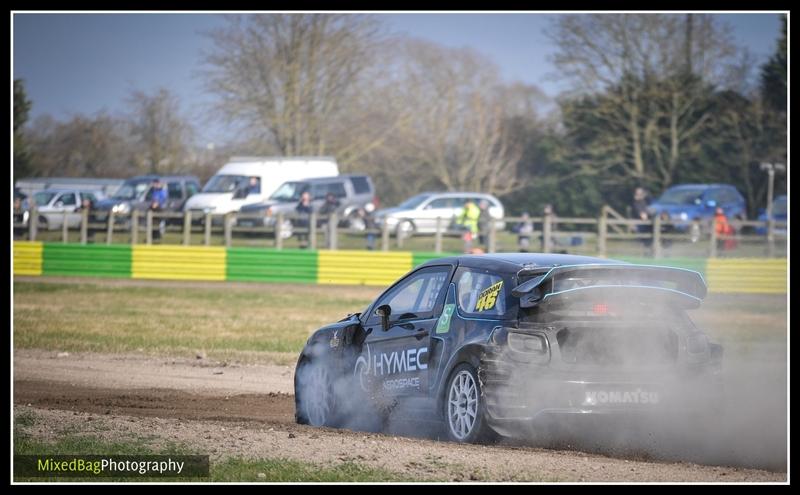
(178,262)
(757,276)
(362,267)
(27,258)
(97,260)
(723,275)
(267,265)
(696,264)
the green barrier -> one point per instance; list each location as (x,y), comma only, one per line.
(94,260)
(265,265)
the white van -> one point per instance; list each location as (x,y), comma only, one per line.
(247,180)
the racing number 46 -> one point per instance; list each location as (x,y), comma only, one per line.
(488,297)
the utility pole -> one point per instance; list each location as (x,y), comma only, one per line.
(771,169)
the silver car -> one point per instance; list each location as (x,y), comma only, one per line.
(51,204)
(418,214)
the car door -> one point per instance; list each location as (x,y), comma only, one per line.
(394,361)
(175,196)
(65,202)
(438,207)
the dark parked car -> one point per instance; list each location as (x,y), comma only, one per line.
(691,207)
(779,214)
(136,194)
(21,212)
(491,344)
(351,191)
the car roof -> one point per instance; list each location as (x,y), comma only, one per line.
(514,261)
(140,178)
(457,193)
(57,190)
(704,186)
(329,179)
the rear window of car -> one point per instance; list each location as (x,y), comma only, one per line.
(482,293)
(360,185)
(321,190)
(174,190)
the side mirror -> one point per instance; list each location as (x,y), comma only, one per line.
(384,311)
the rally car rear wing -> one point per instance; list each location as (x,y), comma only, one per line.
(572,282)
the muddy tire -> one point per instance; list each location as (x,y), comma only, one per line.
(465,408)
(315,401)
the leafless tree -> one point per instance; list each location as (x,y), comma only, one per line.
(290,79)
(456,132)
(82,146)
(162,136)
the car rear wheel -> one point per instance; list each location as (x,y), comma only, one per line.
(315,400)
(405,229)
(464,409)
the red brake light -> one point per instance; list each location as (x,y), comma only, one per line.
(600,309)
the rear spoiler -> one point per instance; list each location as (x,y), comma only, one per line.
(629,280)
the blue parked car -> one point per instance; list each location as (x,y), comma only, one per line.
(691,206)
(778,214)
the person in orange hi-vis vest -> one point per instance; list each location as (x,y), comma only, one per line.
(724,228)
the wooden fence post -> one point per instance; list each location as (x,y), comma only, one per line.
(384,235)
(148,222)
(33,223)
(312,230)
(228,221)
(279,231)
(602,232)
(713,237)
(492,235)
(438,242)
(64,229)
(134,226)
(110,228)
(657,236)
(546,227)
(84,225)
(207,231)
(333,226)
(187,228)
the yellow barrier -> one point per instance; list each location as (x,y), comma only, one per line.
(362,268)
(28,257)
(178,262)
(747,275)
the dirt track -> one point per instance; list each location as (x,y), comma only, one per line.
(246,411)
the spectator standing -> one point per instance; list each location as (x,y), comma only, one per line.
(484,221)
(304,210)
(366,215)
(468,221)
(550,212)
(88,205)
(524,232)
(641,206)
(158,202)
(328,208)
(724,231)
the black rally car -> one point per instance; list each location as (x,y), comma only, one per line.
(492,343)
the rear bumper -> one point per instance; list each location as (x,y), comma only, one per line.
(514,404)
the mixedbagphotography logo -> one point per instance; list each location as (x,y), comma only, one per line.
(122,466)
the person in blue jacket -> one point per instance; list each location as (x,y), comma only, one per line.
(158,203)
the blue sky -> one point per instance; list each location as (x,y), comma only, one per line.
(84,63)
